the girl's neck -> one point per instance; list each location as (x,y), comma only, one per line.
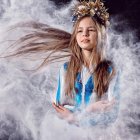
(87,57)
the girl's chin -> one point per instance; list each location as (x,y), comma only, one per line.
(86,48)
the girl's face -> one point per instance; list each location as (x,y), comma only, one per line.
(86,34)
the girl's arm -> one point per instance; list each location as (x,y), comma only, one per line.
(104,112)
(61,86)
(63,112)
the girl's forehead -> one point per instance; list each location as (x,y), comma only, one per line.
(86,22)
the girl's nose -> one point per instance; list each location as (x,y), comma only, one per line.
(85,33)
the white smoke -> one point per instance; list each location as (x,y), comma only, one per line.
(25,102)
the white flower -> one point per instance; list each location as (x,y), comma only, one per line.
(92,12)
(81,7)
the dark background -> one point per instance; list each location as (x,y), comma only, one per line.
(127,12)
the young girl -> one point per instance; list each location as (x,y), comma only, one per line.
(88,82)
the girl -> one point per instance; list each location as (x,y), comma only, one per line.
(88,82)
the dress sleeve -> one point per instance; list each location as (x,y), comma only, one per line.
(106,117)
(60,87)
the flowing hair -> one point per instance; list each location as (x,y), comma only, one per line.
(98,63)
(42,40)
(57,44)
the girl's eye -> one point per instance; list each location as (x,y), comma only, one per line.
(92,30)
(79,31)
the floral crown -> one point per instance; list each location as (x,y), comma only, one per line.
(92,8)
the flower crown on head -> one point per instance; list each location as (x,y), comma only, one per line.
(92,8)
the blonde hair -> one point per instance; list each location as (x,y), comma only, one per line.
(101,75)
(59,41)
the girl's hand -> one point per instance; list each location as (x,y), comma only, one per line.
(100,106)
(64,113)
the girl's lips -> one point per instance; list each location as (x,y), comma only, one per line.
(85,40)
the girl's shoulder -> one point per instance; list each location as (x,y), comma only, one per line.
(110,69)
(106,65)
(65,66)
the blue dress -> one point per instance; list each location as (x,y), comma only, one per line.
(84,94)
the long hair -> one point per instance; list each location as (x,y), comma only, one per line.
(49,43)
(57,44)
(98,62)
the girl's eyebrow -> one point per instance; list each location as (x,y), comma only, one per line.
(91,27)
(87,27)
